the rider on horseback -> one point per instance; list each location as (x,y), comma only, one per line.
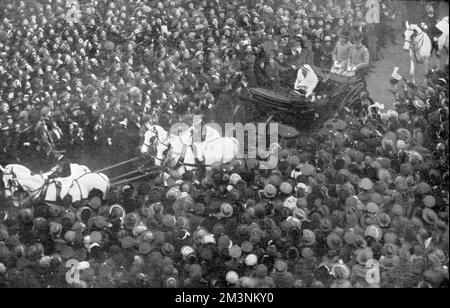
(428,25)
(62,169)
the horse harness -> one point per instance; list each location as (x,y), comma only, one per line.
(152,145)
(180,162)
(42,191)
(78,183)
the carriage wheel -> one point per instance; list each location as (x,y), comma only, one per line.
(276,117)
(351,94)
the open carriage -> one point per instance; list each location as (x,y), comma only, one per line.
(333,93)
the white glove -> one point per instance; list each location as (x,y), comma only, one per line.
(337,64)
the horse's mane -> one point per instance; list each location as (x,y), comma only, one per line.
(32,177)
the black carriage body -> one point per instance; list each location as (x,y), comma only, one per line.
(337,92)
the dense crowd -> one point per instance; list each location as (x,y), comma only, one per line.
(371,185)
(91,75)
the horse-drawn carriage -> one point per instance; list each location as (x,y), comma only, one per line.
(333,93)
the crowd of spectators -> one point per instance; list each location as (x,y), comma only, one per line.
(371,185)
(89,73)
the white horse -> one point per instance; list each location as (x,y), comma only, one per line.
(35,187)
(19,171)
(216,148)
(418,43)
(182,155)
(443,44)
(13,169)
(153,133)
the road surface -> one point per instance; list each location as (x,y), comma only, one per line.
(378,82)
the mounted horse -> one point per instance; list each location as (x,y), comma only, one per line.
(35,187)
(418,43)
(442,41)
(153,133)
(420,46)
(181,154)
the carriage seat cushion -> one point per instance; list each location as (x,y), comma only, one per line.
(341,79)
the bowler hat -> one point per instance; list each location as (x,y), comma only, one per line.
(270,191)
(235,251)
(384,219)
(246,247)
(374,231)
(429,216)
(325,225)
(334,241)
(429,201)
(292,253)
(364,255)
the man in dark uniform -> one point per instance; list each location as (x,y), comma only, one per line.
(429,26)
(298,55)
(327,52)
(62,169)
(287,74)
(317,52)
(45,139)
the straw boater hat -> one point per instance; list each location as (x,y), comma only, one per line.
(366,184)
(270,191)
(429,216)
(226,210)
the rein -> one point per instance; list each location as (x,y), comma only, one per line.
(78,183)
(420,43)
(42,189)
(35,192)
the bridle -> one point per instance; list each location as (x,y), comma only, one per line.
(14,181)
(166,142)
(156,137)
(412,38)
(163,143)
(413,44)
